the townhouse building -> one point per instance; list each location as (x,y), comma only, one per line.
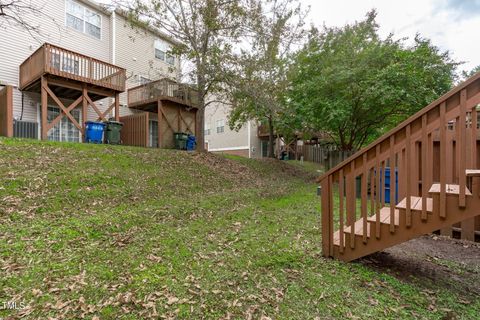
(80,65)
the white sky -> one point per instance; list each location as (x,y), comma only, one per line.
(452,25)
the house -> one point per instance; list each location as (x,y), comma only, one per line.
(80,65)
(250,141)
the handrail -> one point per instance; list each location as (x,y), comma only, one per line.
(402,125)
(163,88)
(438,144)
(55,60)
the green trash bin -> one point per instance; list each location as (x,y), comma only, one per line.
(112,132)
(180,140)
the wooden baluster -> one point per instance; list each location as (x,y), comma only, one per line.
(383,192)
(351,200)
(424,147)
(462,178)
(393,184)
(341,209)
(372,188)
(377,192)
(325,217)
(443,160)
(330,213)
(364,196)
(408,160)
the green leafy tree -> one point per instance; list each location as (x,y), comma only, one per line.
(258,74)
(207,28)
(468,74)
(353,85)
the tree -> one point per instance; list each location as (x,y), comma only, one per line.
(207,29)
(468,74)
(353,85)
(259,78)
(18,13)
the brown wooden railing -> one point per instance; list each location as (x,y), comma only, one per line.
(54,60)
(163,88)
(435,145)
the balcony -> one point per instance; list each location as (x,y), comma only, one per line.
(146,96)
(78,69)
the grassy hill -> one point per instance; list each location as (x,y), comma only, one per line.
(106,232)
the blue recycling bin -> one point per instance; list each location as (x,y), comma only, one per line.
(94,132)
(388,183)
(191,142)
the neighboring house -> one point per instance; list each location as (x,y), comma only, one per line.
(86,28)
(219,138)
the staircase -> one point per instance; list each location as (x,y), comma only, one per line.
(434,156)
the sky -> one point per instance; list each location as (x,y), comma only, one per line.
(452,25)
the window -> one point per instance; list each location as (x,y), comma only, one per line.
(143,80)
(83,19)
(220,126)
(161,52)
(207,129)
(153,128)
(64,130)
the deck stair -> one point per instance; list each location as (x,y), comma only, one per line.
(438,180)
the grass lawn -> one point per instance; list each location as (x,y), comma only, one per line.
(105,232)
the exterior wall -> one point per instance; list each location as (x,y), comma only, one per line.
(231,141)
(134,50)
(140,62)
(18,45)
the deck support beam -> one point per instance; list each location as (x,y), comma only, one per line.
(117,106)
(160,115)
(44,108)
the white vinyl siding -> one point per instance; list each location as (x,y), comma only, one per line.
(83,19)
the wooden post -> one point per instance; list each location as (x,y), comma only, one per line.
(462,148)
(159,111)
(341,209)
(44,108)
(326,219)
(84,113)
(117,106)
(6,115)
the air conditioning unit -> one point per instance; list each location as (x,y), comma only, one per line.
(25,129)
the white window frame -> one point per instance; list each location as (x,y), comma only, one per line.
(84,21)
(164,47)
(220,125)
(208,131)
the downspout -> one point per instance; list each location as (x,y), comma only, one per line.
(249,139)
(114,42)
(114,36)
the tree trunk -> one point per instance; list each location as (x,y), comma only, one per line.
(200,115)
(271,152)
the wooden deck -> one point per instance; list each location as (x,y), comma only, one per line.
(70,70)
(146,96)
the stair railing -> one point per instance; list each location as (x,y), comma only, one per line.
(437,144)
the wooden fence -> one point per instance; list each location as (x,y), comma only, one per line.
(135,131)
(327,156)
(6,111)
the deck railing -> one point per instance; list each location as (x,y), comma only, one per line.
(163,88)
(54,60)
(435,145)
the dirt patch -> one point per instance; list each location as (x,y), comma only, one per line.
(433,261)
